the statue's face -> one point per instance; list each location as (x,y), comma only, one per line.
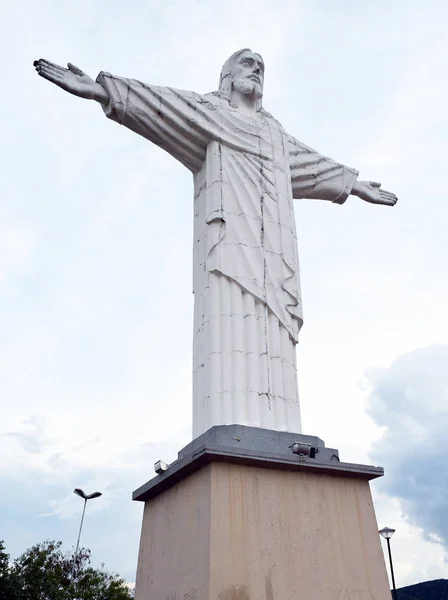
(248,74)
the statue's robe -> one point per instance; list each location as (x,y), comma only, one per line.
(248,310)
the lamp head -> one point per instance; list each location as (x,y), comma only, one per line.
(94,495)
(387,532)
(85,496)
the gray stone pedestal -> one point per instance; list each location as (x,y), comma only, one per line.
(240,517)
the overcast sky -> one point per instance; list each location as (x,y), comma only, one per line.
(96,251)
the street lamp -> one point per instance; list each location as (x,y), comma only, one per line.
(387,533)
(85,497)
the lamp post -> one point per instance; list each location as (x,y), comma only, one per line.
(387,533)
(85,497)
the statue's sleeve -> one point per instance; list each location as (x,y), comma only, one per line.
(175,120)
(316,176)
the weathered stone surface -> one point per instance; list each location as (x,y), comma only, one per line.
(247,170)
(233,531)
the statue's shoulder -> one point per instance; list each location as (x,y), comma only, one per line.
(209,101)
(215,100)
(220,100)
(268,115)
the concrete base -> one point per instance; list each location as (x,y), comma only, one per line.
(227,525)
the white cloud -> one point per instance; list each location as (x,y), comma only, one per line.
(409,400)
(415,559)
(17,246)
(95,241)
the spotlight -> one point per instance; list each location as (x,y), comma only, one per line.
(303,449)
(160,467)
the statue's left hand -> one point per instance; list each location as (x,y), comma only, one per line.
(370,191)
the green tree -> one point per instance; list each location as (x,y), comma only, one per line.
(8,587)
(4,560)
(43,572)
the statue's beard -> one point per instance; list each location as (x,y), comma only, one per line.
(246,86)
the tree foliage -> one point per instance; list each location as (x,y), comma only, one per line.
(6,585)
(44,572)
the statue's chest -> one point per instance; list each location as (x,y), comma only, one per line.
(248,159)
(261,136)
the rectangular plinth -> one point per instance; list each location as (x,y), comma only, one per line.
(230,531)
(252,446)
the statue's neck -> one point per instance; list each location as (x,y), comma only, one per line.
(248,103)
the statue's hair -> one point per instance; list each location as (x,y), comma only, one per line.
(225,80)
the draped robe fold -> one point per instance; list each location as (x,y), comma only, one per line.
(248,310)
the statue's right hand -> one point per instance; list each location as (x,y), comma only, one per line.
(72,80)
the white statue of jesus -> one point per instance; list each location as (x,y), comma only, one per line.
(247,170)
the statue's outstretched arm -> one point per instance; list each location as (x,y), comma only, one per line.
(319,177)
(371,191)
(71,80)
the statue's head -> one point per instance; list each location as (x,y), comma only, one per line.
(243,71)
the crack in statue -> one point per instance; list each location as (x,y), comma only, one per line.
(247,169)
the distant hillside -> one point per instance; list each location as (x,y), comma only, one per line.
(428,590)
